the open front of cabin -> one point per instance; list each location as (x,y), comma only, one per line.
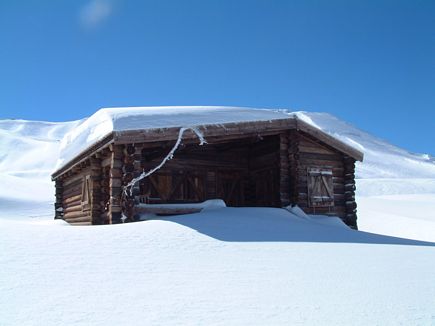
(270,164)
(243,172)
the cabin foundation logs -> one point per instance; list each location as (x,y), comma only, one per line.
(349,191)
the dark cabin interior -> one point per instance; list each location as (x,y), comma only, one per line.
(242,172)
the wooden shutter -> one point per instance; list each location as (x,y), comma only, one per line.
(320,187)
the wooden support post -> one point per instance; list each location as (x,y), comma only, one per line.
(293,159)
(115,184)
(131,169)
(96,177)
(284,179)
(58,208)
(349,191)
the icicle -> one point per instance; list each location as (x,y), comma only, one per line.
(168,157)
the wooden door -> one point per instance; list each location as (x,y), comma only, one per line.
(182,186)
(230,187)
(266,187)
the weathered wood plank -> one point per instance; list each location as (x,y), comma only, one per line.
(80,219)
(74,196)
(77,214)
(77,208)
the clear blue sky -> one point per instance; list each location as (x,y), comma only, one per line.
(371,63)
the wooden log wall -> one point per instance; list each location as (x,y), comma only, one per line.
(115,184)
(131,169)
(270,171)
(196,173)
(95,190)
(309,152)
(293,161)
(74,211)
(264,172)
(58,209)
(284,169)
(349,191)
(105,157)
(247,167)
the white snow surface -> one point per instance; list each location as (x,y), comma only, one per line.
(226,266)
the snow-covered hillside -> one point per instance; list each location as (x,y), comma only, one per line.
(28,154)
(224,266)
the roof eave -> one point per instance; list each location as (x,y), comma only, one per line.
(330,140)
(82,156)
(211,131)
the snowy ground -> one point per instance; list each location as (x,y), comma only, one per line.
(224,266)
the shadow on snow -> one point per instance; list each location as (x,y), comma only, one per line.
(249,224)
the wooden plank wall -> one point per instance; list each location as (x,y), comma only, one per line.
(79,194)
(73,210)
(264,172)
(284,169)
(95,189)
(272,172)
(115,183)
(58,208)
(309,152)
(252,163)
(212,163)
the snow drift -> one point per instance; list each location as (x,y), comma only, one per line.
(228,266)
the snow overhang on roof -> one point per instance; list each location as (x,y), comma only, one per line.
(114,122)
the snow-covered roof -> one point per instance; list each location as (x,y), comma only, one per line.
(108,120)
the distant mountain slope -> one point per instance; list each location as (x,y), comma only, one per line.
(28,154)
(381,159)
(30,147)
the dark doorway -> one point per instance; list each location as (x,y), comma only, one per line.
(243,172)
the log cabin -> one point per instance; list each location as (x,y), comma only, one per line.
(120,160)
